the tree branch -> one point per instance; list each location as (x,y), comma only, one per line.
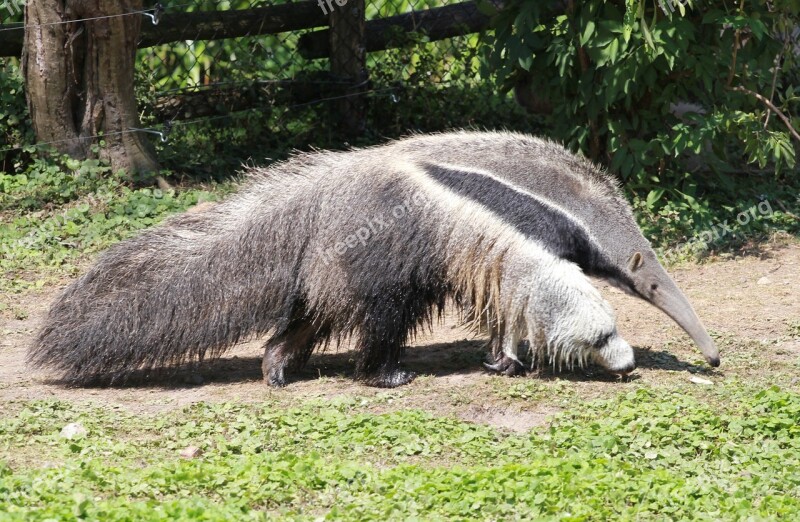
(771,107)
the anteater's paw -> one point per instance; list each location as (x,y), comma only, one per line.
(275,378)
(505,365)
(391,380)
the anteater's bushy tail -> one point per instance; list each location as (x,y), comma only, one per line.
(183,291)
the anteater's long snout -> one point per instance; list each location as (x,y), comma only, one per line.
(669,298)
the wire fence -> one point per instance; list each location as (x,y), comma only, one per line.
(233,96)
(264,62)
(278,91)
(203,63)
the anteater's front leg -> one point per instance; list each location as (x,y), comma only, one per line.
(506,365)
(505,352)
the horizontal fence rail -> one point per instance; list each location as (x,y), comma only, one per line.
(437,23)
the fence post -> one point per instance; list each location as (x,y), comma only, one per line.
(349,62)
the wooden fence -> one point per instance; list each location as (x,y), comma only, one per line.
(342,35)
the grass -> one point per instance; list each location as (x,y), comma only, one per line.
(646,454)
(55,215)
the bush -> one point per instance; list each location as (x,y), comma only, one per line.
(665,99)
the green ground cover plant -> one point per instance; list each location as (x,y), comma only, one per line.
(645,454)
(58,212)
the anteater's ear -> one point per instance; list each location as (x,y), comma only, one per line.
(635,262)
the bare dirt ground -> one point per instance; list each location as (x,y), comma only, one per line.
(750,304)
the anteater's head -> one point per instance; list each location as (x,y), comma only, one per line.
(614,354)
(582,329)
(647,279)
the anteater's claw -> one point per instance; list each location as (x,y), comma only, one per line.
(492,367)
(506,366)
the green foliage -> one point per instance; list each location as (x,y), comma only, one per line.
(15,128)
(216,148)
(421,86)
(691,228)
(198,63)
(645,455)
(46,182)
(434,86)
(615,73)
(535,390)
(55,213)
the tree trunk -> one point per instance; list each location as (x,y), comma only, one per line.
(79,79)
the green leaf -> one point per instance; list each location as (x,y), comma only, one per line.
(588,31)
(646,32)
(631,12)
(653,196)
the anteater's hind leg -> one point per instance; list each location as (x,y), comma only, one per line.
(288,351)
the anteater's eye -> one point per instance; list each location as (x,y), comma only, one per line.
(654,287)
(602,340)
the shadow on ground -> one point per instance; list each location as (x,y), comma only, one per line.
(664,360)
(437,359)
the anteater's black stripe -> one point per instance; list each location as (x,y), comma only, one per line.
(549,226)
